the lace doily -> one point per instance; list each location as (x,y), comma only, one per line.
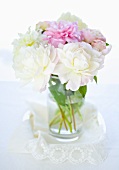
(33,137)
(59,153)
(89,148)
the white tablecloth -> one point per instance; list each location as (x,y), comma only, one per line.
(13,107)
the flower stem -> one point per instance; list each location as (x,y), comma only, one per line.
(72,111)
(69,124)
(54,119)
(80,115)
(63,117)
(60,126)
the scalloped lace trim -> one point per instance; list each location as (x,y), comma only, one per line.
(58,153)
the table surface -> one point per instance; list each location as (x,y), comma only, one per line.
(13,106)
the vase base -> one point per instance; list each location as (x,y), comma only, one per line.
(66,137)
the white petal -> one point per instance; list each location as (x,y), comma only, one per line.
(85,79)
(60,69)
(94,66)
(74,82)
(107,50)
(49,69)
(41,82)
(64,78)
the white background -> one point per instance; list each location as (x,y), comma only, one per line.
(17,15)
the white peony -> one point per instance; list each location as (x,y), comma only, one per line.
(72,18)
(30,38)
(79,63)
(36,65)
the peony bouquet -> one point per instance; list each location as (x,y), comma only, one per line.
(64,55)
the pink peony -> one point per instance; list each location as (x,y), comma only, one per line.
(63,32)
(98,45)
(91,34)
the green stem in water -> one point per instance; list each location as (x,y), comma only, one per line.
(63,117)
(54,119)
(65,120)
(72,111)
(60,126)
(79,114)
(69,124)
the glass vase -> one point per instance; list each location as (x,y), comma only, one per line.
(65,119)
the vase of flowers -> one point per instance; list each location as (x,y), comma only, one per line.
(63,55)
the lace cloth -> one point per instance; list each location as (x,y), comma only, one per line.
(33,137)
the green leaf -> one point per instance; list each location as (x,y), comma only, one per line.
(83,90)
(58,93)
(107,44)
(77,94)
(95,78)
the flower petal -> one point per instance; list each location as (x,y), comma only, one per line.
(74,82)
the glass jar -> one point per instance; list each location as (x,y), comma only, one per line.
(65,119)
